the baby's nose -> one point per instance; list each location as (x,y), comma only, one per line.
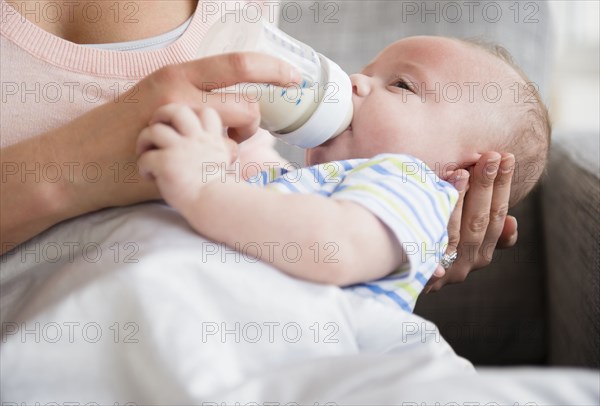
(360,84)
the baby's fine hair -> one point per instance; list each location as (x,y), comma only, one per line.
(530,134)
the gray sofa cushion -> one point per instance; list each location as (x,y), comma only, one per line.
(498,315)
(571,208)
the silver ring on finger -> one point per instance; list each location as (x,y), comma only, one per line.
(448,259)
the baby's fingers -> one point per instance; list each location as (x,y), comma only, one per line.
(211,121)
(149,165)
(179,116)
(156,136)
(233,150)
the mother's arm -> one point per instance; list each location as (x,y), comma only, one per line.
(105,138)
(479,222)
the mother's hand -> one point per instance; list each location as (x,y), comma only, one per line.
(118,124)
(479,222)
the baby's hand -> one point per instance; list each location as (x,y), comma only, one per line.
(183,151)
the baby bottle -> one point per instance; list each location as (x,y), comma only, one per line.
(305,115)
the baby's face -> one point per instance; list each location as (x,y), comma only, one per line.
(406,101)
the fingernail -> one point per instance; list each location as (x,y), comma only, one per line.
(461,182)
(491,167)
(507,164)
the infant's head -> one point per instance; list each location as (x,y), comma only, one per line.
(445,101)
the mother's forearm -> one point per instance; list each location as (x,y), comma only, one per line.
(31,197)
(67,172)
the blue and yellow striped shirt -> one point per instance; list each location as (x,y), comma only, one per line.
(405,194)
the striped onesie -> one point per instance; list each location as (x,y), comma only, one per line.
(403,193)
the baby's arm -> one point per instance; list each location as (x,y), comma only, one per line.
(318,239)
(304,235)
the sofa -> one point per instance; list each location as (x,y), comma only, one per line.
(538,302)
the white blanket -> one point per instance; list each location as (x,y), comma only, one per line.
(130,305)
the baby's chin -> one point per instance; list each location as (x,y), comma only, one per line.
(315,156)
(335,149)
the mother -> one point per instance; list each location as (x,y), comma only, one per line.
(71,113)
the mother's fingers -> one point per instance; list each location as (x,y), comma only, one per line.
(484,220)
(241,116)
(228,69)
(476,211)
(509,234)
(500,201)
(191,82)
(460,180)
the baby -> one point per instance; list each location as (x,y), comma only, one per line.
(371,211)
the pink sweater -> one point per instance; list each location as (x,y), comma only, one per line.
(48,81)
